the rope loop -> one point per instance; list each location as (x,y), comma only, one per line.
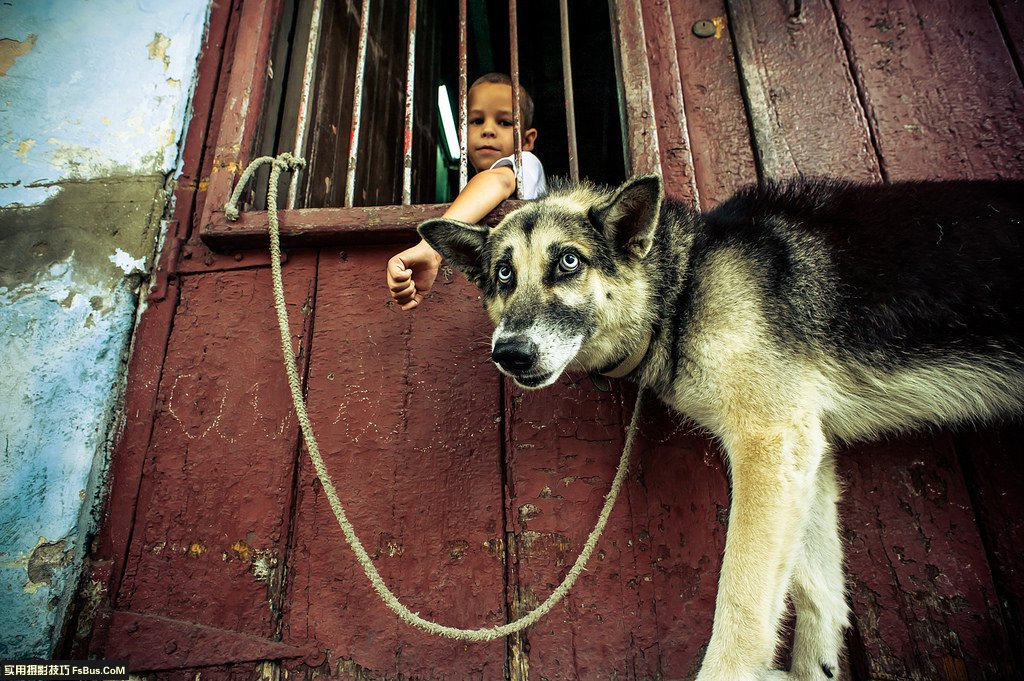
(282,162)
(287,162)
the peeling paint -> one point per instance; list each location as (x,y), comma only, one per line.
(241,549)
(158,49)
(127,263)
(264,565)
(46,558)
(10,50)
(23,148)
(87,220)
(93,112)
(96,94)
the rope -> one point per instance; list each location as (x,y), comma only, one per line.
(287,162)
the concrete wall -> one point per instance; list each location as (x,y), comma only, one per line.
(93,105)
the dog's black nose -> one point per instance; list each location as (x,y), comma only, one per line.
(515,355)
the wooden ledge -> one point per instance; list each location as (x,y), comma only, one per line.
(330,226)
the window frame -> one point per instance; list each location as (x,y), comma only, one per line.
(237,138)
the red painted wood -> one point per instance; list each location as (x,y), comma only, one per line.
(407,413)
(940,87)
(212,523)
(238,124)
(434,516)
(644,606)
(245,671)
(803,105)
(635,98)
(961,120)
(920,581)
(562,450)
(666,89)
(687,499)
(155,643)
(991,459)
(332,226)
(716,121)
(195,256)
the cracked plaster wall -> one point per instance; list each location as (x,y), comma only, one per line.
(93,103)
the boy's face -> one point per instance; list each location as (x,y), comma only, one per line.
(490,125)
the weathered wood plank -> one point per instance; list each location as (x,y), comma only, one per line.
(939,85)
(686,492)
(716,121)
(1010,14)
(804,108)
(406,409)
(212,520)
(991,460)
(245,87)
(562,450)
(635,97)
(922,594)
(333,226)
(195,256)
(944,100)
(666,89)
(324,177)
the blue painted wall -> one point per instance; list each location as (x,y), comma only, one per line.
(93,105)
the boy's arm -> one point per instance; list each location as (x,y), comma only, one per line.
(411,273)
(482,194)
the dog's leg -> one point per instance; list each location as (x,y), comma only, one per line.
(819,593)
(773,487)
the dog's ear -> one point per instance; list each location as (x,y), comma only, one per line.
(628,219)
(460,243)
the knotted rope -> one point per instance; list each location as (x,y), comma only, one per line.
(289,162)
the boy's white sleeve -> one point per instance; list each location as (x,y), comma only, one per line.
(534,181)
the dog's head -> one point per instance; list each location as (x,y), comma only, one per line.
(563,277)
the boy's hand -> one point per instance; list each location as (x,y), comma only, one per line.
(411,274)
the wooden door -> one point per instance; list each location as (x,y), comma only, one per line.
(219,555)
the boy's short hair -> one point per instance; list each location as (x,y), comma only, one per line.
(525,100)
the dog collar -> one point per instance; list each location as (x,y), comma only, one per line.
(632,360)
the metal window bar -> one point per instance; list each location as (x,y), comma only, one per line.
(357,105)
(309,71)
(570,105)
(410,80)
(517,114)
(345,225)
(463,100)
(308,74)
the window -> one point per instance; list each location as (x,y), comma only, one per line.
(301,88)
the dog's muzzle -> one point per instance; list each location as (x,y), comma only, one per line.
(535,357)
(516,355)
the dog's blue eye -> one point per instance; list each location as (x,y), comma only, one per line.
(570,262)
(504,274)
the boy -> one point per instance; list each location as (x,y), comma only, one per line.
(491,151)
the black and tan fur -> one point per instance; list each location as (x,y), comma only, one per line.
(790,317)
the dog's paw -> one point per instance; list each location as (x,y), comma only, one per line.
(825,673)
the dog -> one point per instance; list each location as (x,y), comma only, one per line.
(794,316)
